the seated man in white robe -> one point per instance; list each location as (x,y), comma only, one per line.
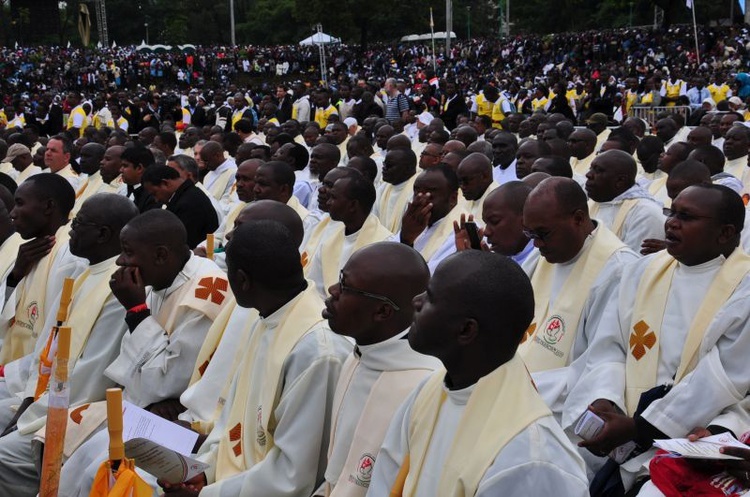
(220,177)
(399,174)
(673,354)
(478,427)
(736,143)
(320,232)
(349,203)
(97,322)
(476,183)
(427,224)
(10,239)
(245,190)
(275,181)
(503,231)
(373,305)
(619,203)
(582,143)
(90,161)
(569,300)
(167,324)
(272,434)
(323,158)
(227,339)
(673,155)
(42,206)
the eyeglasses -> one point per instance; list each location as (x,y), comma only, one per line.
(375,296)
(537,235)
(75,222)
(685,217)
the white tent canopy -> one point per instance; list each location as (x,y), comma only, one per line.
(440,35)
(320,38)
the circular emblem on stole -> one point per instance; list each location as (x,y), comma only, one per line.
(364,469)
(33,312)
(554,330)
(260,435)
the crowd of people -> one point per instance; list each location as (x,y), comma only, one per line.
(478,284)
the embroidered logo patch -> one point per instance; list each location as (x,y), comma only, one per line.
(641,340)
(363,474)
(212,289)
(555,330)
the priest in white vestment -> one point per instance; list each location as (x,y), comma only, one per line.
(373,305)
(349,204)
(399,175)
(476,183)
(97,323)
(575,271)
(477,427)
(623,206)
(676,337)
(167,324)
(427,224)
(272,434)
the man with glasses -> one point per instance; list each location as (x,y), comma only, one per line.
(574,271)
(430,156)
(671,353)
(97,322)
(373,304)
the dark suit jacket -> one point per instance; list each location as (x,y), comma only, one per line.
(143,200)
(455,107)
(195,211)
(54,124)
(285,109)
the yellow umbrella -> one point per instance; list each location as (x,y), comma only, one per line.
(117,477)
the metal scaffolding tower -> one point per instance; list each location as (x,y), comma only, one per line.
(101,21)
(321,55)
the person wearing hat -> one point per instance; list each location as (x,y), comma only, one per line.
(19,156)
(598,124)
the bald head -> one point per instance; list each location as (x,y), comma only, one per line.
(466,135)
(391,270)
(568,194)
(533,179)
(711,156)
(582,143)
(453,146)
(158,227)
(685,174)
(274,211)
(512,194)
(700,136)
(398,141)
(465,289)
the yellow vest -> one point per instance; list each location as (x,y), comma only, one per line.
(718,92)
(484,106)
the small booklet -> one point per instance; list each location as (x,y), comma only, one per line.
(158,446)
(705,448)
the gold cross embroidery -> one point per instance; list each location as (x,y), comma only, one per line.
(212,288)
(234,435)
(640,340)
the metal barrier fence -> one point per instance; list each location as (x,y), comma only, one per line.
(649,114)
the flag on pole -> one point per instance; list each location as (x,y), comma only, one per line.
(743,6)
(432,23)
(689,4)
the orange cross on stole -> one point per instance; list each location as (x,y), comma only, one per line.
(235,434)
(212,288)
(640,340)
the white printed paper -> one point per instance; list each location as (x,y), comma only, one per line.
(704,448)
(163,463)
(139,423)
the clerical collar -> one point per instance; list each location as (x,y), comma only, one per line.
(705,267)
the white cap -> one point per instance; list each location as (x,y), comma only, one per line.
(350,121)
